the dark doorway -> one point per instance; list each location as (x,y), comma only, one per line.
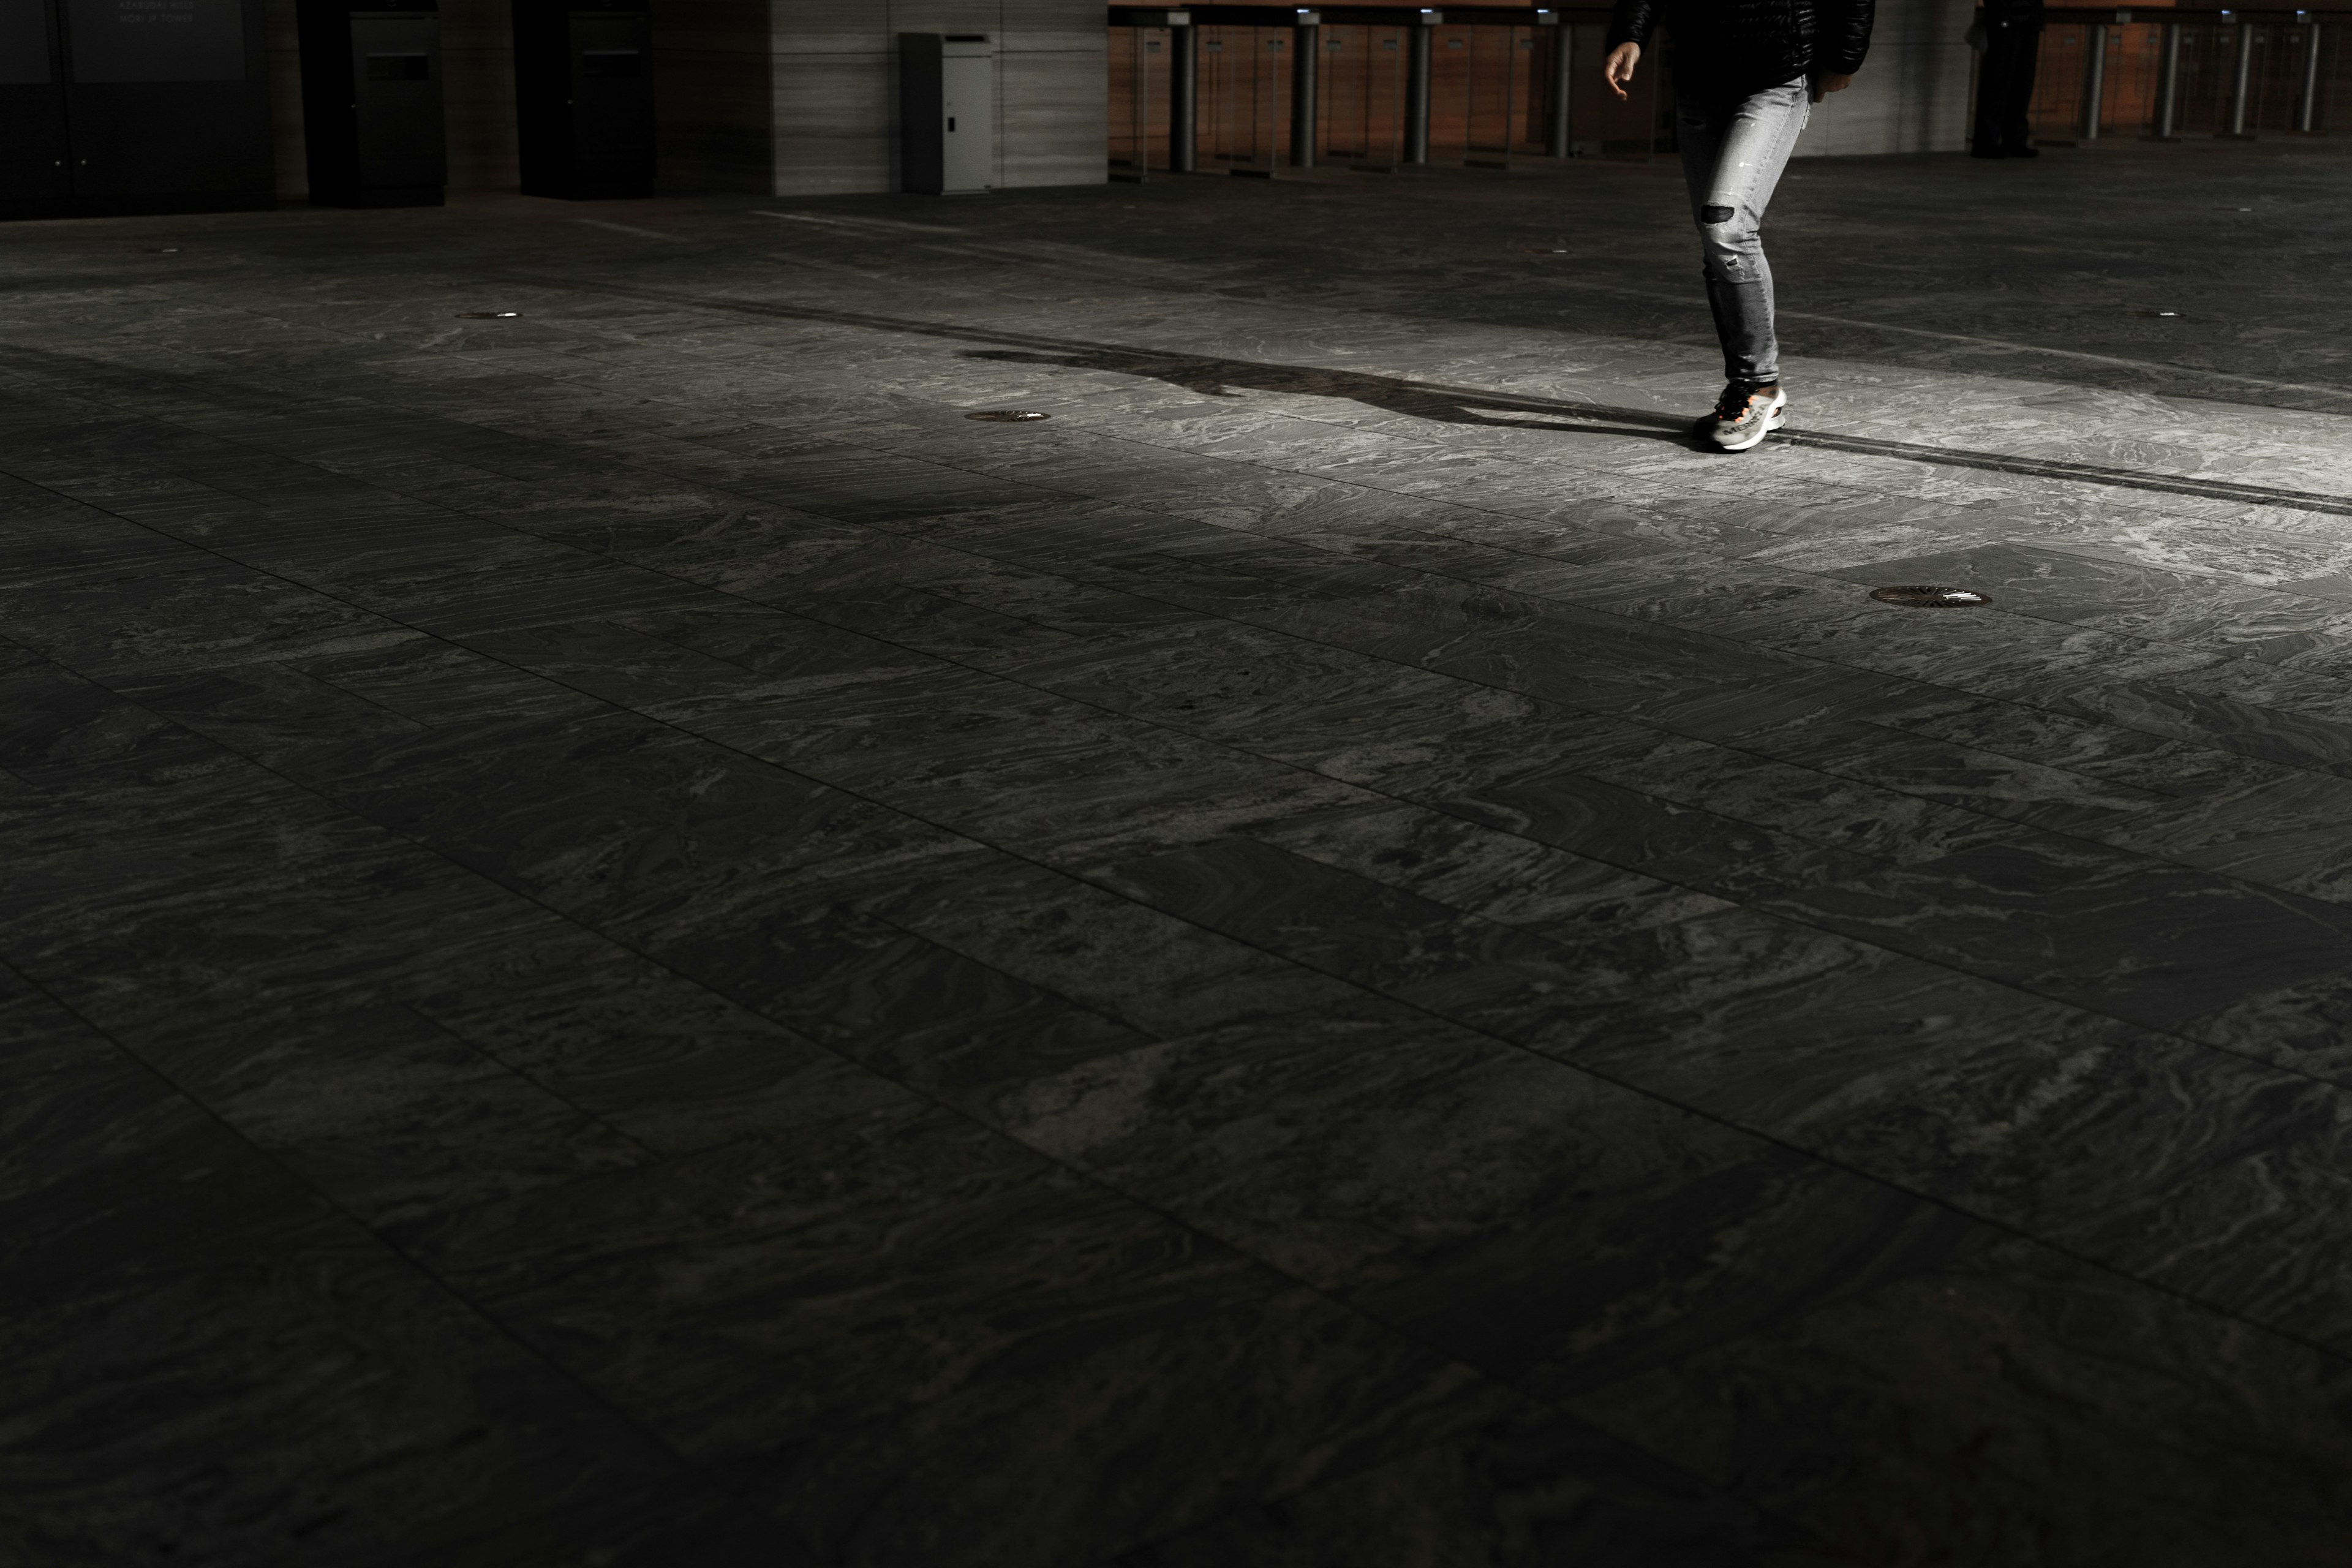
(371,111)
(584,99)
(132,106)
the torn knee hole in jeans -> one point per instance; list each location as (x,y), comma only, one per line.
(1715,215)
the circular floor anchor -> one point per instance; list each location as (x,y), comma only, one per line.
(1922,598)
(1008,416)
(486,315)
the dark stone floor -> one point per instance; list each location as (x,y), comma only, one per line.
(627,941)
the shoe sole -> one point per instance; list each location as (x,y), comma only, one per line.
(1771,423)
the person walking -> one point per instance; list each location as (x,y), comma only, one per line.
(2013,44)
(1746,74)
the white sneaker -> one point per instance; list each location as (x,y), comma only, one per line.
(1745,415)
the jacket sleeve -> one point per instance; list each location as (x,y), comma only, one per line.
(1844,35)
(1633,21)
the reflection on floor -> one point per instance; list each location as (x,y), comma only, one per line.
(628,940)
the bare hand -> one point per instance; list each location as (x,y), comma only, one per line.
(1825,85)
(1619,70)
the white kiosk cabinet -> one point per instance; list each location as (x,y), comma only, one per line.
(947,112)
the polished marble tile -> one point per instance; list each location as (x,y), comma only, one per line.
(623,938)
(1557,1490)
(2041,915)
(785,1324)
(230,1369)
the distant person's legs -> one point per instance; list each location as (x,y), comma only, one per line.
(2005,92)
(2017,130)
(1733,152)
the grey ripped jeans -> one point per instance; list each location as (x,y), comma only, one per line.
(1733,152)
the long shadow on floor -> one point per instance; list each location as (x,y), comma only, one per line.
(1454,404)
(1198,372)
(1446,404)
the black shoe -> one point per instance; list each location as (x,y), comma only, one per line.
(1987,152)
(2020,151)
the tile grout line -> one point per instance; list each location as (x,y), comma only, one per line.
(1090,1178)
(302,1183)
(2261,889)
(1948,1205)
(1868,784)
(705,742)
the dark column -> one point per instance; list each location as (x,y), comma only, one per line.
(1563,53)
(1184,91)
(2168,91)
(2306,112)
(1416,89)
(1184,94)
(2095,80)
(1305,61)
(2241,82)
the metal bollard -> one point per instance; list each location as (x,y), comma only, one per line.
(2095,80)
(1510,89)
(1563,59)
(1306,62)
(1183,99)
(1416,101)
(2306,113)
(2168,90)
(1183,86)
(2241,79)
(1142,106)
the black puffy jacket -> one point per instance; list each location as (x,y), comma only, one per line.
(1733,47)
